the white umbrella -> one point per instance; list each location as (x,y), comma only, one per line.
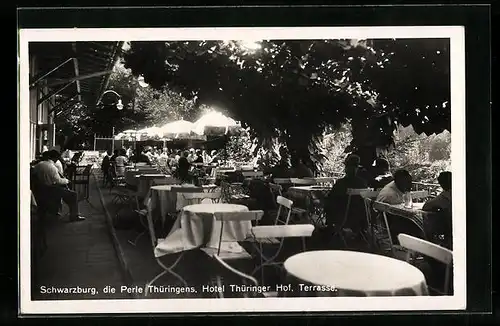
(214,119)
(176,128)
(150,132)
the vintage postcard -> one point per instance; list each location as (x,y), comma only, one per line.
(203,170)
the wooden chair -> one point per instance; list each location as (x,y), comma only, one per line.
(276,189)
(167,268)
(284,205)
(223,255)
(340,228)
(429,249)
(388,218)
(262,234)
(368,197)
(245,279)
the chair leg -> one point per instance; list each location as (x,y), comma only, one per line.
(146,292)
(134,243)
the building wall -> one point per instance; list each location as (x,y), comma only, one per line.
(33,111)
(42,128)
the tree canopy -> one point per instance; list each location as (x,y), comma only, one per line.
(294,89)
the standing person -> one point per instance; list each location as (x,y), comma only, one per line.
(183,167)
(52,185)
(120,162)
(105,166)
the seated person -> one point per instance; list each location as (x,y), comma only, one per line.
(442,223)
(301,170)
(336,200)
(50,185)
(198,157)
(392,193)
(139,157)
(382,174)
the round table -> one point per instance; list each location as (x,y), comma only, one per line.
(197,227)
(351,273)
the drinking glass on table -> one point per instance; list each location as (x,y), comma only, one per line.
(408,202)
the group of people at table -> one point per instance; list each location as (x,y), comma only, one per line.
(49,173)
(393,188)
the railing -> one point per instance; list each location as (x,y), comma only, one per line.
(433,188)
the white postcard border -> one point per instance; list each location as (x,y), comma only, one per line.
(457,71)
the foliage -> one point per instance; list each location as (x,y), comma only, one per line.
(413,152)
(333,147)
(292,90)
(239,147)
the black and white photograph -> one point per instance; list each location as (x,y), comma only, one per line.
(242,169)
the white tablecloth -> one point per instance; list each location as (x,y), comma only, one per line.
(353,273)
(199,228)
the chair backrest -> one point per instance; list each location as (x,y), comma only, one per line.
(429,249)
(276,189)
(352,192)
(369,196)
(282,231)
(239,216)
(426,248)
(197,197)
(284,204)
(303,182)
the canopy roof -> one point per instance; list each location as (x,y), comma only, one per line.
(73,72)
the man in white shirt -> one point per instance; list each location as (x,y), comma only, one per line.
(51,182)
(393,192)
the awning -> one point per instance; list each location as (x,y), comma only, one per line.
(73,71)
